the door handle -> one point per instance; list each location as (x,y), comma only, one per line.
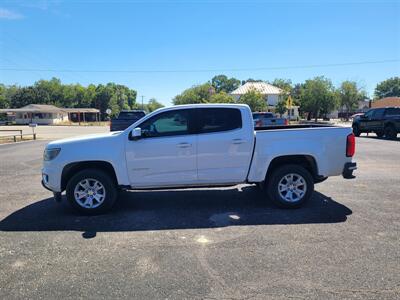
(184,145)
(238,141)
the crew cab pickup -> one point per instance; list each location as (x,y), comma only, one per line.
(125,119)
(200,145)
(383,121)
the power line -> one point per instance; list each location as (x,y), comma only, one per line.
(203,70)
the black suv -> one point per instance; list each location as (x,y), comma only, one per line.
(382,121)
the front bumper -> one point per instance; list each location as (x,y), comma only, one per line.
(348,169)
(56,195)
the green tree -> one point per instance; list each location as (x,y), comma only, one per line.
(153,105)
(24,96)
(349,94)
(196,94)
(283,84)
(388,88)
(222,83)
(280,107)
(221,97)
(254,99)
(4,101)
(318,97)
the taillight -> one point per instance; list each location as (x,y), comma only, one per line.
(350,145)
(286,122)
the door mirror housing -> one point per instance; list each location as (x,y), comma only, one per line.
(135,134)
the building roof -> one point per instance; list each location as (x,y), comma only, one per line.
(384,102)
(261,87)
(44,108)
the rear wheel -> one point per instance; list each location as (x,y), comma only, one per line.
(356,130)
(379,134)
(290,186)
(91,192)
(390,132)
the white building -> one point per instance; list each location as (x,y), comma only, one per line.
(49,114)
(272,95)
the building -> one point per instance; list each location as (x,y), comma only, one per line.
(385,102)
(271,94)
(49,114)
(342,113)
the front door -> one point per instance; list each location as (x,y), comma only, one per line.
(166,153)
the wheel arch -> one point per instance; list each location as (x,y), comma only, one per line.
(306,161)
(72,168)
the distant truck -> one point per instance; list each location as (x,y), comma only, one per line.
(384,122)
(125,119)
(262,119)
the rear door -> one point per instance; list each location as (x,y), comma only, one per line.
(224,145)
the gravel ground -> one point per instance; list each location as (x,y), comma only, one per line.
(204,244)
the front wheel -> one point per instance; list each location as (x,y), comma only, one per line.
(91,192)
(290,186)
(379,134)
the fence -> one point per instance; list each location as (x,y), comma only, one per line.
(14,136)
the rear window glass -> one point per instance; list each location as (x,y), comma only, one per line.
(131,115)
(218,119)
(393,111)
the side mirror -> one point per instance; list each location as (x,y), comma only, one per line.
(135,134)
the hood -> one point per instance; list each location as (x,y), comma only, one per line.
(83,139)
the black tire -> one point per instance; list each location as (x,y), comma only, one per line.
(356,130)
(109,189)
(390,132)
(278,175)
(380,134)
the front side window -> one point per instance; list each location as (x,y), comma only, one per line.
(378,114)
(369,113)
(168,123)
(218,119)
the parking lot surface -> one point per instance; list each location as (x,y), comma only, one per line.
(220,243)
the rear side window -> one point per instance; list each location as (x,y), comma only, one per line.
(393,111)
(218,119)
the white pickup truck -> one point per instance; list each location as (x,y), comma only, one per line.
(200,145)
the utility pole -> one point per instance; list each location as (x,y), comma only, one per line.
(142,102)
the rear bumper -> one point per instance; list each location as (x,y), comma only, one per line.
(348,169)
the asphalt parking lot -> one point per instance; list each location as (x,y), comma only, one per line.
(204,244)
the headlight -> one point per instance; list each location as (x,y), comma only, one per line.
(50,154)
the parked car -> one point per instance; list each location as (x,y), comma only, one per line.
(199,145)
(125,119)
(381,121)
(356,116)
(262,119)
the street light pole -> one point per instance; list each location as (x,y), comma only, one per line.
(142,102)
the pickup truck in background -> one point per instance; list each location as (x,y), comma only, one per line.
(384,122)
(198,145)
(262,119)
(125,119)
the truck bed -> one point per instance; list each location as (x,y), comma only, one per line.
(297,126)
